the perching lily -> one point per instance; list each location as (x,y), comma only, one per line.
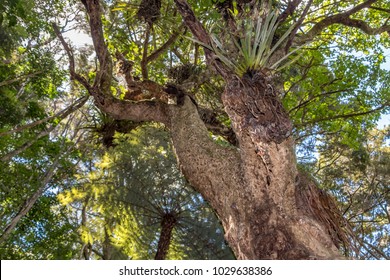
(254,47)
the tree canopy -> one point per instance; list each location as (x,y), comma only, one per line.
(194,129)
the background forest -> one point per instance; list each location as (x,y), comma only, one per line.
(76,183)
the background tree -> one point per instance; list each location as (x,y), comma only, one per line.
(135,204)
(360,179)
(37,151)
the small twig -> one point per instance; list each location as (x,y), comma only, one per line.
(144,61)
(25,76)
(290,9)
(61,114)
(346,116)
(297,25)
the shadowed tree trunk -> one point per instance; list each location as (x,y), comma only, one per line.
(167,225)
(266,208)
(253,191)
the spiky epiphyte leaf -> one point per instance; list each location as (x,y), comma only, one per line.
(254,46)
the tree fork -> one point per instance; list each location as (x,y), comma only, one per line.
(252,189)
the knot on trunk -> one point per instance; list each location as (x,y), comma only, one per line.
(254,106)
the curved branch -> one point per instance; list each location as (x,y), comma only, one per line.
(73,74)
(344,19)
(346,116)
(363,26)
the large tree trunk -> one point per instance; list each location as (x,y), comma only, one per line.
(270,221)
(254,190)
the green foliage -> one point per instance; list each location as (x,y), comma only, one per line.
(127,194)
(113,201)
(332,94)
(254,43)
(45,224)
(359,178)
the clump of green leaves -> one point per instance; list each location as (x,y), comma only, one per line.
(255,45)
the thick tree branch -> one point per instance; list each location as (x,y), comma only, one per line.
(363,26)
(208,166)
(198,30)
(104,75)
(192,22)
(142,111)
(344,19)
(291,7)
(359,7)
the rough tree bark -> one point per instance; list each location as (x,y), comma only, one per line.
(255,189)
